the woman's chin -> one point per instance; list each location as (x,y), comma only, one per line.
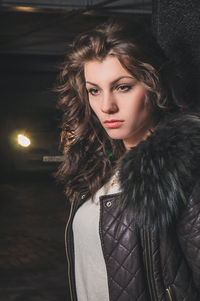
(115,135)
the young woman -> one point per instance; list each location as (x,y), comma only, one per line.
(131,171)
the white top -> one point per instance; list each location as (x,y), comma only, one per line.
(90,268)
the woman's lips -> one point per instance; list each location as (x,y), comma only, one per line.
(113,123)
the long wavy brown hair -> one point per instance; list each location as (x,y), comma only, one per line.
(90,155)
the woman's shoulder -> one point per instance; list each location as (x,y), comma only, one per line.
(175,139)
(157,175)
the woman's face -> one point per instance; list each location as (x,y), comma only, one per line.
(118,100)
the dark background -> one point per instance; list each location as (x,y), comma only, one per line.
(33,210)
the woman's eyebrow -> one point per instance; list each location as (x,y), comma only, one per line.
(121,77)
(113,82)
(87,82)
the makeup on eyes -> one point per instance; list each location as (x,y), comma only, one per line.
(123,86)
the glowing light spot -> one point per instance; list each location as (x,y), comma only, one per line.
(25,9)
(23,140)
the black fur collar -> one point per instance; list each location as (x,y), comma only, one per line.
(157,175)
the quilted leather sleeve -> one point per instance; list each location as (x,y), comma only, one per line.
(189,234)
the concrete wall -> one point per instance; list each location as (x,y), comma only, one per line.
(176,25)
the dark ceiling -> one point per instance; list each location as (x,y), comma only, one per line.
(34,29)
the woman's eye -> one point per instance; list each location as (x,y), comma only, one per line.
(93,91)
(124,88)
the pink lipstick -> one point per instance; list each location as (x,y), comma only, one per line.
(113,123)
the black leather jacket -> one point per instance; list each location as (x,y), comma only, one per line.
(150,232)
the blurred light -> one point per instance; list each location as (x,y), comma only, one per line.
(90,12)
(25,9)
(23,140)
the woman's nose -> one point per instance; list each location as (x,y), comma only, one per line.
(109,104)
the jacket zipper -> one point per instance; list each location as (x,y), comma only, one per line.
(169,293)
(148,265)
(67,252)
